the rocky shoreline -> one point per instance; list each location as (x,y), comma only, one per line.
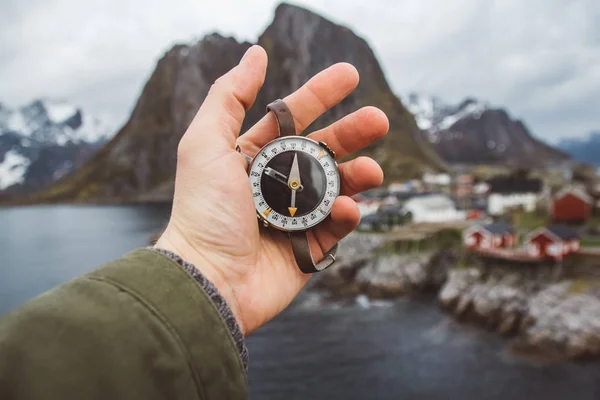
(538,307)
(365,267)
(554,317)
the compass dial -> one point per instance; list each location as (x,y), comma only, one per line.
(294,182)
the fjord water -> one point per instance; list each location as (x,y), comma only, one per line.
(404,349)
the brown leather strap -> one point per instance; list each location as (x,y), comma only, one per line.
(303,254)
(285,120)
(300,246)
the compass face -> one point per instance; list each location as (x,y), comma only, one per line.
(294,182)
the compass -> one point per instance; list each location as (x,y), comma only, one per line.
(294,182)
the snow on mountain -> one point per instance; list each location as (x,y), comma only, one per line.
(44,140)
(53,121)
(472,132)
(433,115)
(58,112)
(12,169)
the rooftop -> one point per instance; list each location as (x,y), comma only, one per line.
(499,228)
(512,185)
(563,232)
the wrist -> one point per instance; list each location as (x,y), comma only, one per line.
(177,244)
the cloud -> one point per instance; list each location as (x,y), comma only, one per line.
(538,58)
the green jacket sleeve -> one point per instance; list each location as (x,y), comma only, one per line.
(137,328)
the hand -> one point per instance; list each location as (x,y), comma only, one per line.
(213,222)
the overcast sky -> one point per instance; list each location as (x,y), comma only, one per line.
(539,58)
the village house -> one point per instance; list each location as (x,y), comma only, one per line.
(366,205)
(513,192)
(490,236)
(437,180)
(370,201)
(463,185)
(411,186)
(432,209)
(571,204)
(385,218)
(554,242)
(481,188)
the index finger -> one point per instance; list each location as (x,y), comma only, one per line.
(319,94)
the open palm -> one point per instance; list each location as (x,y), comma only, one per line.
(213,223)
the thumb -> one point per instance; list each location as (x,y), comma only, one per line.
(221,115)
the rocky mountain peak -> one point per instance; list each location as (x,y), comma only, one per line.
(300,44)
(43,141)
(433,114)
(139,163)
(306,43)
(473,132)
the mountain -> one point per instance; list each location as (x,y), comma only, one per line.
(473,132)
(301,43)
(139,163)
(586,150)
(44,141)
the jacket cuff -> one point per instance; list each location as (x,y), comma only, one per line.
(219,301)
(188,312)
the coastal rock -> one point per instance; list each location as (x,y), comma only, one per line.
(366,266)
(456,285)
(354,253)
(555,318)
(415,269)
(565,320)
(500,303)
(394,275)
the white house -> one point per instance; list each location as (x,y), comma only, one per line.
(481,188)
(400,187)
(513,192)
(442,179)
(368,206)
(433,208)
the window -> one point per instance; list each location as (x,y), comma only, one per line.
(555,249)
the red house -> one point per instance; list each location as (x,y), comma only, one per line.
(491,236)
(571,205)
(554,242)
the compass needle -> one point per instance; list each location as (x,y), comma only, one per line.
(278,176)
(292,209)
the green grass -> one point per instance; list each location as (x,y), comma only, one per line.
(583,285)
(590,241)
(594,222)
(462,265)
(579,286)
(530,220)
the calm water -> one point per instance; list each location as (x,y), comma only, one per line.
(406,349)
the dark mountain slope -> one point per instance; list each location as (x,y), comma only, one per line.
(472,132)
(139,164)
